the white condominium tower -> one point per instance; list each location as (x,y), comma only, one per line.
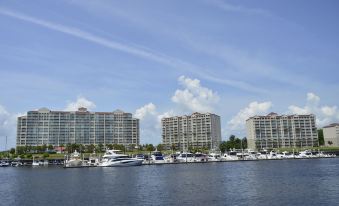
(197,130)
(275,131)
(81,127)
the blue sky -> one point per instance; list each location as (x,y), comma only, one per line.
(162,58)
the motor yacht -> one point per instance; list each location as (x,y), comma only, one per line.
(4,164)
(230,156)
(214,157)
(305,154)
(114,158)
(74,160)
(157,157)
(186,157)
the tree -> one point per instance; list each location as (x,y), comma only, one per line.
(244,143)
(173,147)
(223,146)
(321,137)
(50,147)
(12,151)
(150,147)
(330,143)
(160,147)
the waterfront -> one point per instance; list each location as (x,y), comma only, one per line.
(285,182)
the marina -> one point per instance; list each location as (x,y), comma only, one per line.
(115,158)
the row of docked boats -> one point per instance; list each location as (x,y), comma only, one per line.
(115,158)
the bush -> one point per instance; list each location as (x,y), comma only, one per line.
(22,156)
(45,155)
(29,156)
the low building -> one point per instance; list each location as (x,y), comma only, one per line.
(77,127)
(197,131)
(331,135)
(278,131)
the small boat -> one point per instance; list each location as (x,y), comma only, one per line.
(35,163)
(4,164)
(114,158)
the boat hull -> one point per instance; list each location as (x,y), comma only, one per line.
(123,163)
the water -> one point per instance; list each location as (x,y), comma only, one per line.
(285,182)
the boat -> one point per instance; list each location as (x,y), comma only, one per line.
(172,158)
(93,160)
(214,157)
(250,155)
(35,163)
(272,155)
(157,157)
(305,154)
(4,163)
(74,160)
(230,156)
(186,157)
(114,158)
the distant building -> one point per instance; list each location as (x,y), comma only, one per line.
(331,135)
(197,130)
(276,131)
(81,127)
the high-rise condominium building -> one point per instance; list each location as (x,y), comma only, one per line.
(331,135)
(196,130)
(81,127)
(275,131)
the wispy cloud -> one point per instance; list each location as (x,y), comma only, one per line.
(142,52)
(236,8)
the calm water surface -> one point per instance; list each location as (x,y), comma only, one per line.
(284,182)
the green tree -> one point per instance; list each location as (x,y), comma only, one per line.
(150,147)
(12,151)
(160,147)
(321,137)
(330,143)
(223,146)
(50,147)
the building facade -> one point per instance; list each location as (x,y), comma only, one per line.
(331,135)
(81,127)
(277,131)
(197,130)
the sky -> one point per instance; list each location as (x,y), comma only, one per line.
(155,59)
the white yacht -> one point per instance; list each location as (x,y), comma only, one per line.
(250,155)
(35,162)
(214,157)
(273,155)
(114,158)
(186,157)
(74,161)
(305,154)
(230,156)
(4,164)
(157,157)
(262,155)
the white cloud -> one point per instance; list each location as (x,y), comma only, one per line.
(324,114)
(195,97)
(80,102)
(312,98)
(146,110)
(254,108)
(150,123)
(7,128)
